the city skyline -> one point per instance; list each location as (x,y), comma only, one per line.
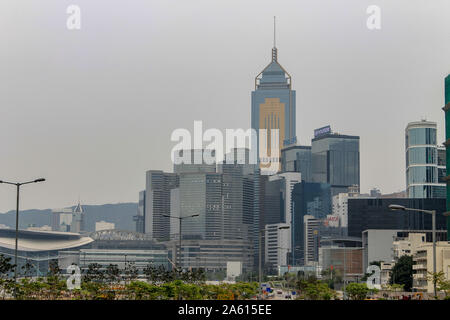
(89,106)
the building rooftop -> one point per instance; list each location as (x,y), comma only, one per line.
(30,240)
(335,136)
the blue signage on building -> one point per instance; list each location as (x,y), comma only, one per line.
(322,131)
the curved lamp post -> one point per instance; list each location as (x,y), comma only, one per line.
(180,218)
(18,185)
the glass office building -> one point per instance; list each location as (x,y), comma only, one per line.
(446,109)
(223,200)
(273,206)
(201,193)
(312,199)
(367,213)
(297,159)
(335,160)
(422,161)
(157,203)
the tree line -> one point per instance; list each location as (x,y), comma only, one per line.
(111,282)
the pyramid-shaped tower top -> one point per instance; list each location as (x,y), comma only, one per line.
(274,76)
(78,208)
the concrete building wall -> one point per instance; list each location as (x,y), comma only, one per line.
(423,264)
(276,244)
(377,246)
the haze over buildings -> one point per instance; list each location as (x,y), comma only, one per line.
(103,113)
(97,106)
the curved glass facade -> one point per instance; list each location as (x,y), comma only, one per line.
(421,155)
(426,191)
(421,136)
(424,169)
(422,174)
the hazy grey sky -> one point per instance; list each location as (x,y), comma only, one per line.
(91,110)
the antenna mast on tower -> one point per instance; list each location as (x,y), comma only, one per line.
(274,49)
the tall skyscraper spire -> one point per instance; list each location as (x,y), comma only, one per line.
(273,108)
(274,49)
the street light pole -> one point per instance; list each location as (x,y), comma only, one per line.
(433,226)
(434,251)
(179,229)
(17,233)
(345,271)
(179,257)
(259,265)
(18,185)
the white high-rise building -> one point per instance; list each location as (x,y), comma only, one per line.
(104,225)
(68,219)
(277,244)
(62,219)
(340,208)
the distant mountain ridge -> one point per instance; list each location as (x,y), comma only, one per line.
(121,214)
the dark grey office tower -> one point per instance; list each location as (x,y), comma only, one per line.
(272,209)
(335,160)
(365,213)
(256,182)
(218,198)
(233,196)
(139,218)
(311,232)
(157,203)
(201,193)
(240,184)
(248,203)
(297,159)
(312,199)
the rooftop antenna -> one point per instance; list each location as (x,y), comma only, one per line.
(274,49)
(274,31)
